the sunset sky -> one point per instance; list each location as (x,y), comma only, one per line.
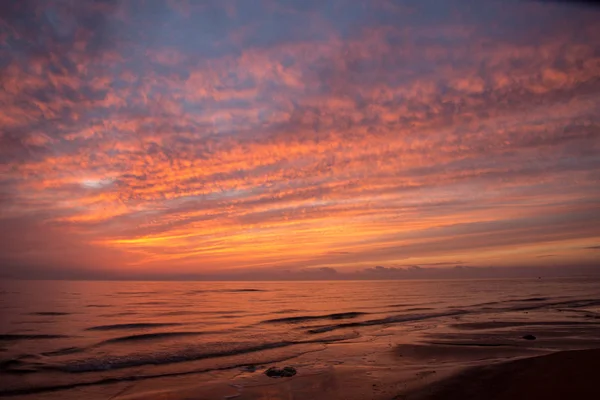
(219,137)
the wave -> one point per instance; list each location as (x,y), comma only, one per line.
(186,312)
(15,367)
(177,313)
(303,318)
(532,299)
(136,293)
(469,344)
(190,354)
(132,326)
(151,336)
(116,362)
(408,305)
(286,311)
(537,303)
(514,324)
(385,321)
(38,321)
(575,303)
(15,337)
(62,352)
(49,313)
(142,377)
(584,313)
(249,290)
(522,300)
(119,314)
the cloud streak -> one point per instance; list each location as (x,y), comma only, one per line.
(210,138)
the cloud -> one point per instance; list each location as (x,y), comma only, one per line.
(218,137)
(328,270)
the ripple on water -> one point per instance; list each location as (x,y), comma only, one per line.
(132,326)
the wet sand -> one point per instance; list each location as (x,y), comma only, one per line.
(563,375)
(560,375)
(404,373)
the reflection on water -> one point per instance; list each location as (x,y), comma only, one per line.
(65,335)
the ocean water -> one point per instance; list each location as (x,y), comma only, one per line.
(60,336)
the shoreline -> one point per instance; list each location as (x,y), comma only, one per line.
(567,374)
(557,375)
(383,374)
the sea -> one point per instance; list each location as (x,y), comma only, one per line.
(59,339)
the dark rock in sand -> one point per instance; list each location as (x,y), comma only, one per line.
(529,337)
(284,372)
(249,368)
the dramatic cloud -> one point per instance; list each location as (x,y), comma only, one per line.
(212,137)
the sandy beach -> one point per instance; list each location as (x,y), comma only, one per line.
(562,375)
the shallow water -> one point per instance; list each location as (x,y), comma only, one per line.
(59,336)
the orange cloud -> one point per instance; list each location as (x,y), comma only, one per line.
(257,145)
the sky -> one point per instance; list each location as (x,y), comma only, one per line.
(252,138)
